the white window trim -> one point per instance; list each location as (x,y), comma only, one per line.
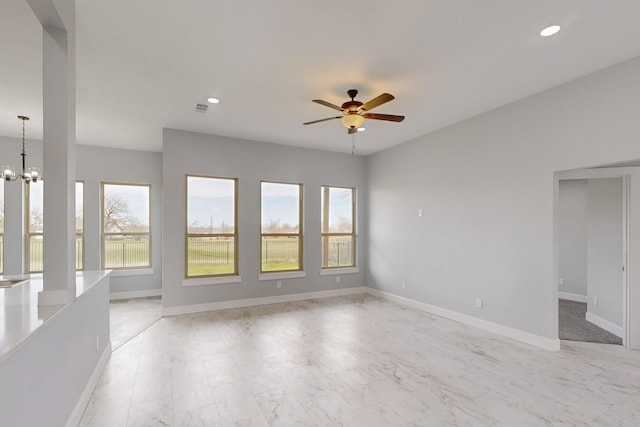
(281,275)
(340,270)
(205,281)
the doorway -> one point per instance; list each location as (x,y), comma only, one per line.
(592,239)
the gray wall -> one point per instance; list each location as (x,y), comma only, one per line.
(94,164)
(487,189)
(604,275)
(251,162)
(572,230)
(97,164)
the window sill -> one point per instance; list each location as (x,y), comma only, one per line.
(283,275)
(342,270)
(132,272)
(205,281)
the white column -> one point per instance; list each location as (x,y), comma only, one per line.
(59,160)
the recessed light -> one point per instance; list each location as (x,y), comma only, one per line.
(213,100)
(361,129)
(550,30)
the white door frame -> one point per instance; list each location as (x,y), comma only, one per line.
(612,172)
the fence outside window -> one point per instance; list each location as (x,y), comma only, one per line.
(338,227)
(211,228)
(36,252)
(126,250)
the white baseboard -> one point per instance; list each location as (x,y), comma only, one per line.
(83,401)
(135,294)
(552,344)
(604,324)
(250,302)
(573,297)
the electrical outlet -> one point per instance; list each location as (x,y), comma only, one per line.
(337,279)
(419,212)
(560,282)
(404,285)
(279,284)
(479,302)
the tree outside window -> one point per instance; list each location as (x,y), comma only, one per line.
(126,237)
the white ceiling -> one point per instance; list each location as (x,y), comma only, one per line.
(143,65)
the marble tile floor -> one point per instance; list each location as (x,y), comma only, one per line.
(356,361)
(130,317)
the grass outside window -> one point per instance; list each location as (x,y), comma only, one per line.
(281,230)
(126,228)
(211,241)
(338,227)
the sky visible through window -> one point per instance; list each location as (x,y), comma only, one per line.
(36,202)
(136,202)
(280,207)
(340,208)
(210,204)
(79,206)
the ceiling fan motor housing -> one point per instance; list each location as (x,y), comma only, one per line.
(351,107)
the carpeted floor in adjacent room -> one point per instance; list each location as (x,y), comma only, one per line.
(574,327)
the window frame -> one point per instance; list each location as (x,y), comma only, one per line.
(236,271)
(103,234)
(324,213)
(27,227)
(29,234)
(81,235)
(300,233)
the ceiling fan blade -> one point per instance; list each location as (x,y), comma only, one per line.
(327,104)
(387,117)
(378,100)
(351,131)
(322,120)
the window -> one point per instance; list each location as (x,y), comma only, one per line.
(211,232)
(2,228)
(281,209)
(35,237)
(79,225)
(126,237)
(34,209)
(338,231)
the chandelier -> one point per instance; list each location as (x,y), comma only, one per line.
(28,174)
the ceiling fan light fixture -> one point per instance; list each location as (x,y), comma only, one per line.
(352,121)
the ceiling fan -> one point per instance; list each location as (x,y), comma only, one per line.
(355,112)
